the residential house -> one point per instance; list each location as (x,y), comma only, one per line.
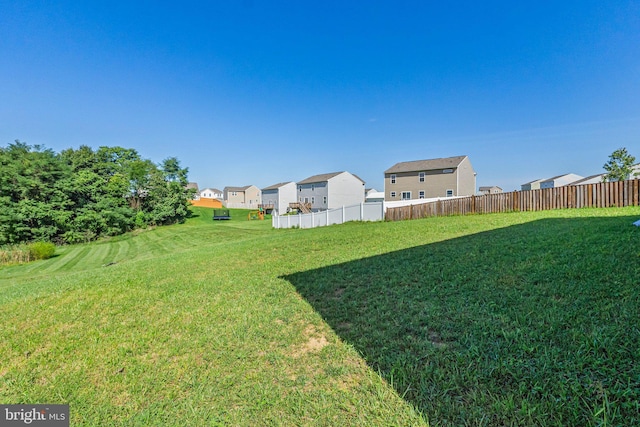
(372,195)
(490,190)
(247,197)
(331,190)
(532,185)
(560,180)
(420,179)
(592,179)
(211,193)
(194,186)
(207,198)
(595,179)
(278,196)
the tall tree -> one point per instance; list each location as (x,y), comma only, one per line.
(620,166)
(80,195)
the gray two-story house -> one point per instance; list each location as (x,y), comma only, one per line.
(331,190)
(278,196)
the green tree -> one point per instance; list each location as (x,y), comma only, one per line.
(32,187)
(80,195)
(620,166)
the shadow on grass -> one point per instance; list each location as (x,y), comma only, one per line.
(534,324)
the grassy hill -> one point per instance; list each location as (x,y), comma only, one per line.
(507,319)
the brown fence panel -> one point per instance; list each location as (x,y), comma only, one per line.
(602,194)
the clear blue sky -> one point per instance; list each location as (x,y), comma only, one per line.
(258,92)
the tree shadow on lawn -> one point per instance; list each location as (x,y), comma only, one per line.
(530,324)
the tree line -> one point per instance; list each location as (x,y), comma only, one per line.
(81,194)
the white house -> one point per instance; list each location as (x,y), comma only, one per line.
(560,180)
(593,179)
(278,196)
(331,190)
(372,195)
(211,193)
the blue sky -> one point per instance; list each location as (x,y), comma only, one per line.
(248,92)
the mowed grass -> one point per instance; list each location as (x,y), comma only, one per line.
(506,319)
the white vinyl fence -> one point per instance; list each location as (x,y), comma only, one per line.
(372,211)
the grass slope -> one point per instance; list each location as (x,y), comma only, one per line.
(508,319)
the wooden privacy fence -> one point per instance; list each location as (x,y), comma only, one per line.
(601,195)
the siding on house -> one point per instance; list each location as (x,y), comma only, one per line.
(593,179)
(331,190)
(451,176)
(248,197)
(490,190)
(532,185)
(560,180)
(279,195)
(211,193)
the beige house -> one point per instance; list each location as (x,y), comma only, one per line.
(425,179)
(490,190)
(247,197)
(531,185)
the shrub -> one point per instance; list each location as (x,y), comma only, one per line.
(14,254)
(42,250)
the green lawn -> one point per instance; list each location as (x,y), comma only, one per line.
(504,319)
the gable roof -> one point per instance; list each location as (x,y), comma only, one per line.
(325,177)
(426,165)
(278,185)
(238,189)
(588,178)
(534,181)
(561,176)
(213,190)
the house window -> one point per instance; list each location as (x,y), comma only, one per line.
(421,176)
(324,200)
(300,188)
(447,171)
(422,194)
(393,178)
(393,194)
(449,193)
(406,195)
(313,200)
(313,187)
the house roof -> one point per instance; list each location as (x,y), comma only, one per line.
(213,190)
(426,165)
(278,185)
(580,181)
(534,181)
(560,176)
(489,187)
(237,188)
(324,177)
(191,185)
